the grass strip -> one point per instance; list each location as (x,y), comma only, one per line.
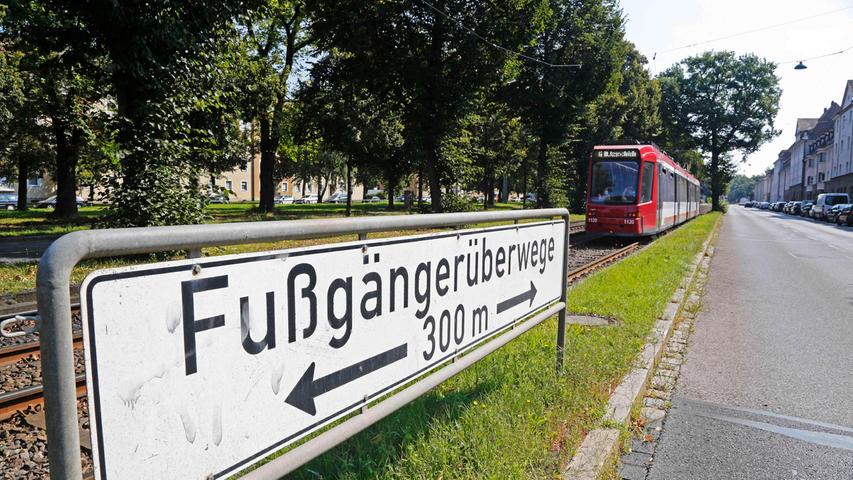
(511,416)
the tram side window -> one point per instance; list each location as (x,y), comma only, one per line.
(648,181)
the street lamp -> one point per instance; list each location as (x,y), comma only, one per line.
(800,66)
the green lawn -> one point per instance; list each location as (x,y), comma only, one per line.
(19,277)
(511,416)
(37,221)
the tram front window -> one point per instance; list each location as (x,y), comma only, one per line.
(614,182)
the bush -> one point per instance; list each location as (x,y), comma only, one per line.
(457,203)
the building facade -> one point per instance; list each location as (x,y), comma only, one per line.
(841,169)
(819,161)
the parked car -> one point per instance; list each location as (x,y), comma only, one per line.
(50,202)
(284,200)
(748,204)
(8,201)
(339,197)
(806,208)
(218,198)
(306,199)
(373,199)
(825,201)
(845,216)
(834,211)
(796,208)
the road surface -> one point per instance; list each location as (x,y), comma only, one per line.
(766,391)
(24,249)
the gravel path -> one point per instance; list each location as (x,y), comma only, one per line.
(23,448)
(27,372)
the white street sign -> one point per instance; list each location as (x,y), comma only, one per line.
(198,372)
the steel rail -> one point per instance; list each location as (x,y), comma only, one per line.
(23,398)
(33,347)
(12,353)
(598,262)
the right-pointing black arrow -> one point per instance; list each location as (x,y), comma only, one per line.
(307,389)
(518,299)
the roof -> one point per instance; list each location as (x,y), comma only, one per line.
(848,93)
(806,124)
(825,122)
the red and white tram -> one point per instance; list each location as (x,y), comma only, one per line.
(636,190)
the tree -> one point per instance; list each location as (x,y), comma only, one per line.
(741,186)
(65,85)
(628,108)
(156,57)
(496,144)
(273,36)
(424,56)
(721,104)
(552,100)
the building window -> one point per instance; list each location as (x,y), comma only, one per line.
(228,184)
(811,162)
(34,182)
(821,177)
(244,186)
(284,186)
(809,181)
(822,157)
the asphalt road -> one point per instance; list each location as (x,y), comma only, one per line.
(24,249)
(766,391)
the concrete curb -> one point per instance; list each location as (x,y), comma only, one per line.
(600,444)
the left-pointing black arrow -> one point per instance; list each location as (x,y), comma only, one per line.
(307,389)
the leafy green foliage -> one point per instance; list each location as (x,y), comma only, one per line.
(741,186)
(720,104)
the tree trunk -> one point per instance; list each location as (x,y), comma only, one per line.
(433,129)
(67,149)
(715,181)
(421,186)
(267,197)
(489,200)
(349,186)
(524,184)
(391,190)
(434,182)
(23,174)
(321,189)
(543,199)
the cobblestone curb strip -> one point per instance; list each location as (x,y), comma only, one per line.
(600,444)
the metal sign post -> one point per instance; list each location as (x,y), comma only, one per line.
(214,363)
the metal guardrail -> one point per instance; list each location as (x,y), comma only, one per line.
(54,300)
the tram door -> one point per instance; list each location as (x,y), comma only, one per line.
(661,175)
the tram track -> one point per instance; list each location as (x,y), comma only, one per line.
(24,399)
(22,410)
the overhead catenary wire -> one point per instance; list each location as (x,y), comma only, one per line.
(831,54)
(754,30)
(496,45)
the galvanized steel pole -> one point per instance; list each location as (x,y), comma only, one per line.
(55,266)
(561,318)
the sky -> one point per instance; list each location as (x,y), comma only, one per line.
(660,25)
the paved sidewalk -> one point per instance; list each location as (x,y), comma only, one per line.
(766,390)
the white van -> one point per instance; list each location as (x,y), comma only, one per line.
(825,202)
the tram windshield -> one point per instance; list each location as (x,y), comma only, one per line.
(614,182)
